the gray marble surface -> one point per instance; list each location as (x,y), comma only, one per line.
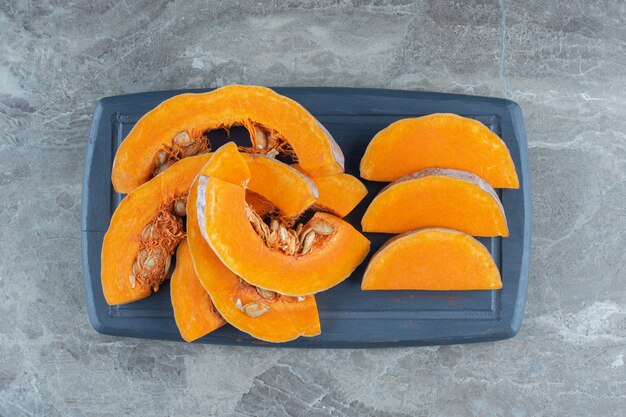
(564,62)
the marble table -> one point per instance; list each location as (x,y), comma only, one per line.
(564,63)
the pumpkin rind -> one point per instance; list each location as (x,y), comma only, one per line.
(437,198)
(338,193)
(225,226)
(232,105)
(286,319)
(438,259)
(194,312)
(122,239)
(439,140)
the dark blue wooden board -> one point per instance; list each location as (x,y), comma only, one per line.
(350,318)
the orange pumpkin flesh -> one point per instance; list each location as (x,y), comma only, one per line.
(228,162)
(338,193)
(258,203)
(194,312)
(288,189)
(225,223)
(432,259)
(439,141)
(437,198)
(123,240)
(287,317)
(270,118)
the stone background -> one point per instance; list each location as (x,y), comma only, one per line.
(564,62)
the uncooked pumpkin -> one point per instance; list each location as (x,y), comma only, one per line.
(194,312)
(176,129)
(432,259)
(325,252)
(144,232)
(437,198)
(285,187)
(439,140)
(269,316)
(338,193)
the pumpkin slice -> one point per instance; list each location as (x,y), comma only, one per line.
(437,198)
(338,193)
(194,312)
(144,232)
(326,251)
(175,129)
(287,189)
(439,259)
(260,313)
(439,141)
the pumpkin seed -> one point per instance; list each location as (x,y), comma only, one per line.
(322,228)
(308,241)
(274,224)
(168,264)
(148,231)
(304,233)
(136,267)
(160,169)
(272,153)
(300,298)
(282,233)
(182,138)
(151,262)
(292,247)
(160,158)
(143,255)
(255,309)
(272,238)
(238,304)
(267,294)
(299,229)
(180,207)
(192,149)
(265,228)
(132,279)
(260,140)
(273,141)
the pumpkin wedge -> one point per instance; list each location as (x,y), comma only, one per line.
(175,129)
(144,232)
(338,193)
(261,313)
(285,187)
(439,140)
(439,259)
(325,252)
(437,198)
(194,312)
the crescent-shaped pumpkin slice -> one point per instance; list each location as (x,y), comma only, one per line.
(176,127)
(338,193)
(194,312)
(437,198)
(438,259)
(439,140)
(144,232)
(269,316)
(330,251)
